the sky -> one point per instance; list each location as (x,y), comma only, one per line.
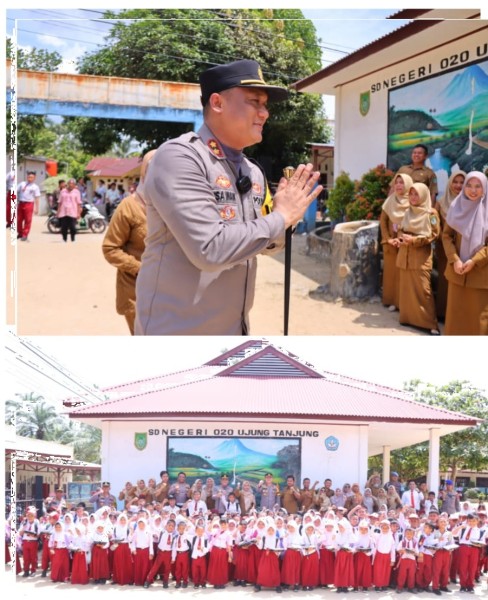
(385,360)
(73,32)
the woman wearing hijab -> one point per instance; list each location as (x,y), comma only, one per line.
(453,189)
(393,209)
(420,226)
(465,239)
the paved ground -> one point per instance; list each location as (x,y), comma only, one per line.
(69,289)
(36,587)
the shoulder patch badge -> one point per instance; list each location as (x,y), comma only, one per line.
(227,213)
(223,182)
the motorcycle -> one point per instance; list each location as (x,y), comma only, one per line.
(91,219)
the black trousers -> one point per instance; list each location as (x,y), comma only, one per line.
(68,224)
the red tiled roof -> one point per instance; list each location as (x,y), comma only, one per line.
(106,166)
(231,385)
(403,32)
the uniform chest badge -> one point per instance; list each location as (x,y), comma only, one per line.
(257,189)
(215,148)
(433,220)
(227,213)
(223,182)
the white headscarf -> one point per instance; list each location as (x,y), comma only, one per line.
(470,219)
(395,206)
(416,219)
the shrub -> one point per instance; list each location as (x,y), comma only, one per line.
(340,197)
(371,192)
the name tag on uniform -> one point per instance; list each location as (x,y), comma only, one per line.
(225,196)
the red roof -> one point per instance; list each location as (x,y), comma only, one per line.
(267,382)
(105,166)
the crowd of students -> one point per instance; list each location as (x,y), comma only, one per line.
(343,547)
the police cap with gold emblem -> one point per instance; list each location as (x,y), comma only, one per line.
(240,73)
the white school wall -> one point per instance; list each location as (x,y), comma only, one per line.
(361,141)
(122,461)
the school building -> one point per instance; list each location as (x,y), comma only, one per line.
(426,82)
(259,408)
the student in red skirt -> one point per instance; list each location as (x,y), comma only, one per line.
(442,557)
(407,562)
(344,562)
(363,566)
(162,561)
(233,531)
(427,544)
(99,567)
(240,554)
(220,554)
(257,531)
(384,557)
(122,563)
(80,548)
(310,562)
(292,561)
(181,554)
(269,566)
(59,543)
(142,551)
(198,552)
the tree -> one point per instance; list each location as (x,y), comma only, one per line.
(467,449)
(340,196)
(34,417)
(29,127)
(176,45)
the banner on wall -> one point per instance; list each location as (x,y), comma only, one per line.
(447,112)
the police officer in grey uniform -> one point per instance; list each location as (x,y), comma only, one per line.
(204,212)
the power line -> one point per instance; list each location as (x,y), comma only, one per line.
(223,19)
(67,381)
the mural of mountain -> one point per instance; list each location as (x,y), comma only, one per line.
(470,82)
(233,451)
(460,116)
(184,459)
(411,120)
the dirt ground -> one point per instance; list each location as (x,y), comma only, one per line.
(57,288)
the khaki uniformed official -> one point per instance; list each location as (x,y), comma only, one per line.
(204,213)
(419,172)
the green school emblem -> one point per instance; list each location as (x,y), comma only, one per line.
(364,103)
(140,440)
